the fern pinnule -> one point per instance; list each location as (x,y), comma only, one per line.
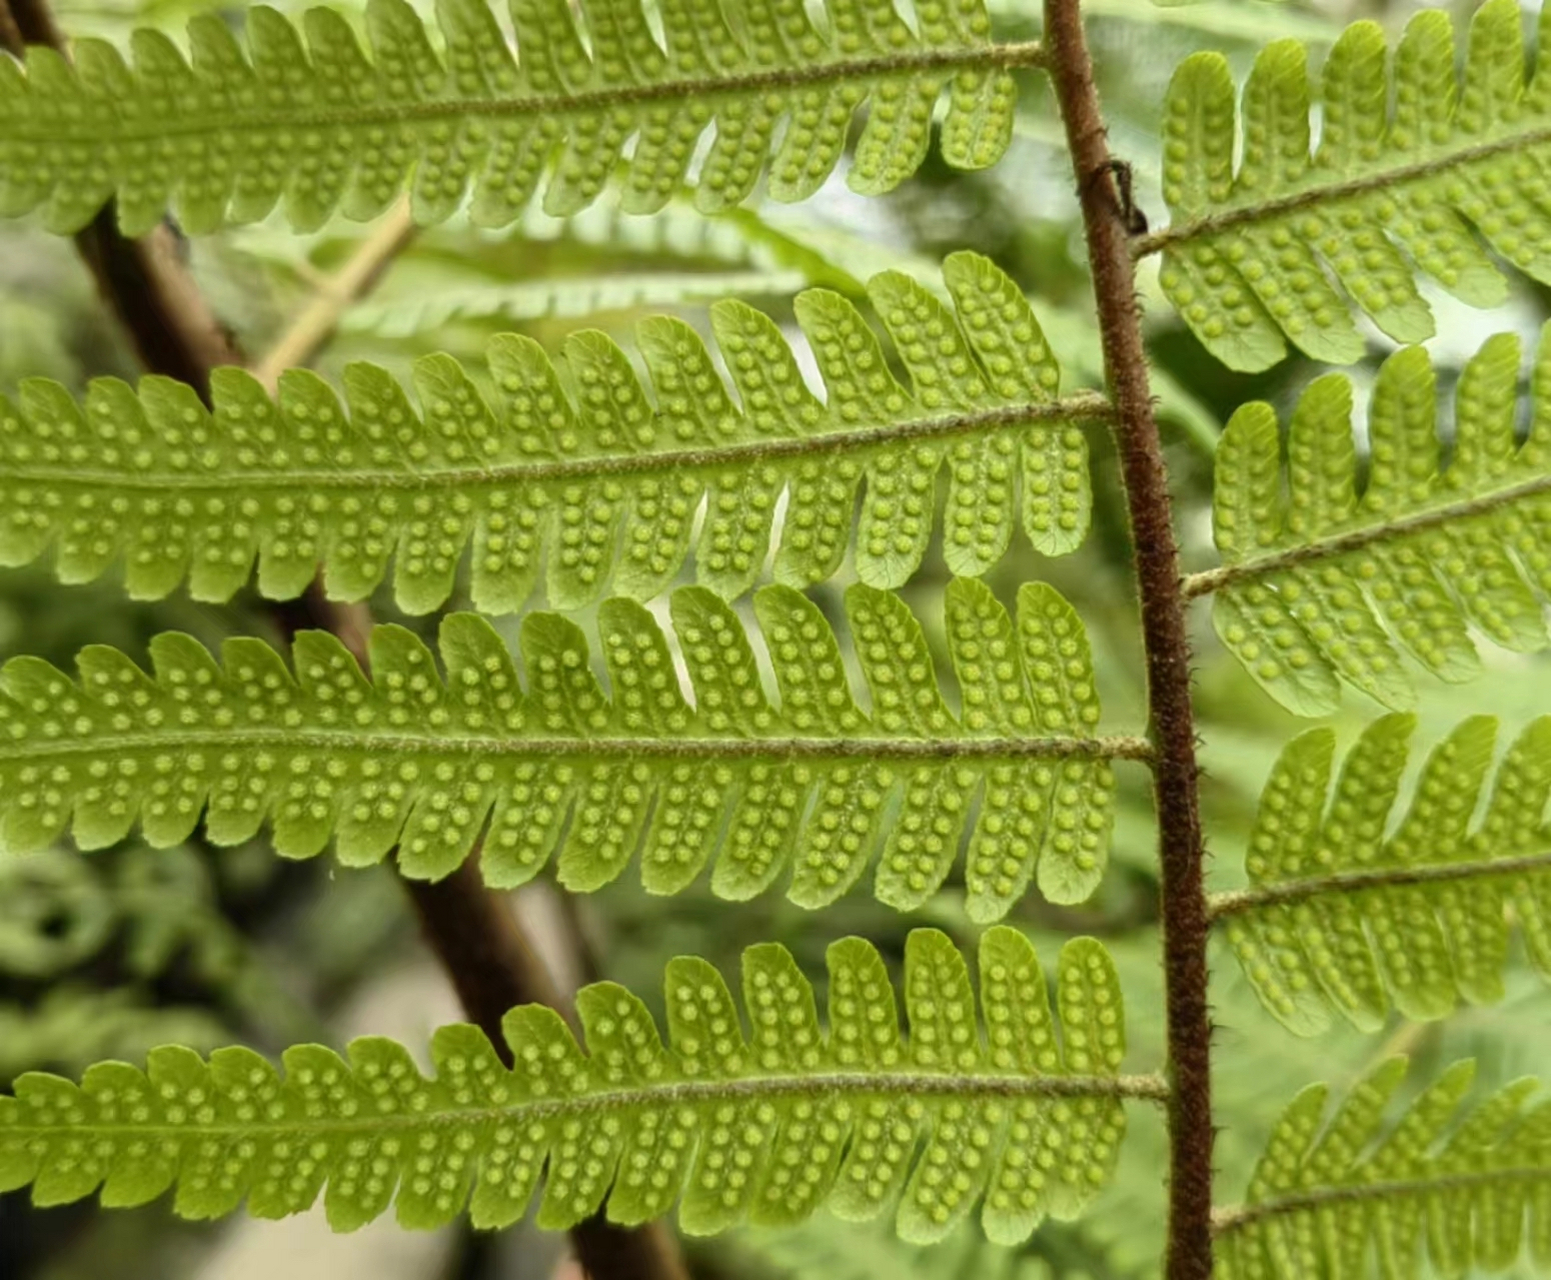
(420,762)
(1341,918)
(849,1117)
(1320,581)
(319,126)
(573,470)
(1410,166)
(1466,1188)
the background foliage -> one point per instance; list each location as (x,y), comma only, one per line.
(110,955)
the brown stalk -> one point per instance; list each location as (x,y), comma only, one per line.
(1175,772)
(471,929)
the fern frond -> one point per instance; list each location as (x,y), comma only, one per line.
(839,1251)
(1412,165)
(1340,917)
(581,474)
(423,763)
(1320,582)
(320,126)
(1350,1196)
(675,257)
(766,1128)
(567,297)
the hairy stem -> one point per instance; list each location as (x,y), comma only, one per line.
(1200,584)
(708,749)
(946,1086)
(1175,772)
(1237,1217)
(1239,901)
(1330,192)
(472,931)
(1083,406)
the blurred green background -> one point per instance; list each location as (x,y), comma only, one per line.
(111,954)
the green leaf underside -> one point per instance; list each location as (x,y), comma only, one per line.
(319,126)
(1417,170)
(1340,919)
(425,764)
(767,1126)
(1467,1187)
(573,471)
(1322,584)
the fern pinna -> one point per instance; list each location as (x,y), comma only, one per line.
(413,761)
(747,744)
(1317,578)
(1338,916)
(590,482)
(1465,1187)
(768,1125)
(321,127)
(1416,156)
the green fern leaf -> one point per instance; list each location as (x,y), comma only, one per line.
(320,126)
(676,257)
(425,764)
(1338,917)
(578,474)
(1350,1196)
(1410,165)
(765,1128)
(1321,582)
(569,297)
(839,1251)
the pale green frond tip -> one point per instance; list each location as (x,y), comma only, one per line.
(314,122)
(1323,584)
(1341,919)
(765,1125)
(430,759)
(1445,1188)
(572,469)
(1419,170)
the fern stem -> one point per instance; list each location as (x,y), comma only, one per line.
(1237,901)
(1083,407)
(1112,748)
(1233,1218)
(315,323)
(168,322)
(1326,192)
(1200,584)
(1186,925)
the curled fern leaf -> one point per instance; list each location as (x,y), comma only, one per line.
(1352,1196)
(578,473)
(424,763)
(1321,582)
(1338,917)
(320,126)
(1411,164)
(767,1128)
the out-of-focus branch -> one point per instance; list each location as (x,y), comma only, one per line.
(316,322)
